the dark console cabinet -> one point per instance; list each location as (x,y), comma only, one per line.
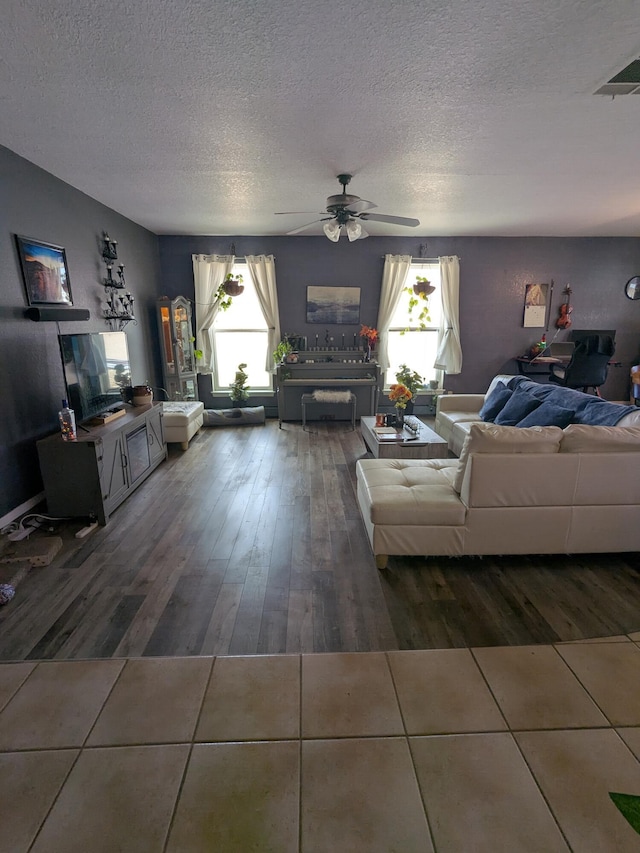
(96,473)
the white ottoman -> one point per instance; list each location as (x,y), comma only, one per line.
(181,421)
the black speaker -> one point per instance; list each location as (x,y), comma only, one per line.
(57,313)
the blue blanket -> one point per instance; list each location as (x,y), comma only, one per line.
(588,408)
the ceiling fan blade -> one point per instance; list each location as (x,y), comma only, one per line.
(361,205)
(304,227)
(291,212)
(394,220)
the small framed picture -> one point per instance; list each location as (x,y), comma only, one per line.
(45,272)
(298,342)
(535,304)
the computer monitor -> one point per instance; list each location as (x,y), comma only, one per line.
(578,334)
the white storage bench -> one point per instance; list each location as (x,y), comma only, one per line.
(182,421)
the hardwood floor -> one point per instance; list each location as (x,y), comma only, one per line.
(251,542)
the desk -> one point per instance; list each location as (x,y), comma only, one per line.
(524,364)
(544,361)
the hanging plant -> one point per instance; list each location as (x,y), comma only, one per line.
(419,299)
(196,352)
(423,286)
(229,288)
(233,286)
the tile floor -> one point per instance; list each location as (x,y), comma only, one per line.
(492,749)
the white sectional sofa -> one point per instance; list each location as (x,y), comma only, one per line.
(535,490)
(456,412)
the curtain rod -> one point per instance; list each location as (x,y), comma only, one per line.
(420,260)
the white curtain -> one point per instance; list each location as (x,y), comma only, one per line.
(209,271)
(394,278)
(449,353)
(262,269)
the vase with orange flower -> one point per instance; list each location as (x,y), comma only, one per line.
(370,337)
(400,395)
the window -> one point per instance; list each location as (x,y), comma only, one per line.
(240,335)
(415,348)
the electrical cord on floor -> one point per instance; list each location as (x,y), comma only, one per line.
(22,529)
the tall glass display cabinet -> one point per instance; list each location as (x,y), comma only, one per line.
(176,344)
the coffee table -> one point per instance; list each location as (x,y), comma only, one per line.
(427,444)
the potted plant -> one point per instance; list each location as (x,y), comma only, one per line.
(282,351)
(412,380)
(239,388)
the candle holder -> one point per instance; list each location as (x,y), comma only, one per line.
(118,308)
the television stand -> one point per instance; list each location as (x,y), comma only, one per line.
(96,473)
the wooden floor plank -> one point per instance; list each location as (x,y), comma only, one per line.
(251,542)
(223,619)
(300,622)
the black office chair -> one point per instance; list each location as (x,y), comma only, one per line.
(589,364)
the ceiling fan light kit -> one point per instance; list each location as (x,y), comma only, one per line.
(332,230)
(354,230)
(346,215)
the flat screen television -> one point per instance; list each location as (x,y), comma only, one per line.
(96,369)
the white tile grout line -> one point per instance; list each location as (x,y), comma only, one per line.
(407,740)
(189,754)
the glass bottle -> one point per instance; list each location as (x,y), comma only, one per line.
(67,419)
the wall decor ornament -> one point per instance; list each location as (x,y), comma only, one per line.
(118,309)
(45,272)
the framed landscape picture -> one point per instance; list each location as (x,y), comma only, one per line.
(333,305)
(45,272)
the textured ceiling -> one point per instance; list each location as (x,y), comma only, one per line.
(206,116)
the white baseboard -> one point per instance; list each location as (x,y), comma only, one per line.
(21,510)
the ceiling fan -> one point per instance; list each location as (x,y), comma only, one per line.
(346,213)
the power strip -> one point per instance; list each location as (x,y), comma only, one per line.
(86,530)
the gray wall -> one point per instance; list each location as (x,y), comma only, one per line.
(494,272)
(37,205)
(493,275)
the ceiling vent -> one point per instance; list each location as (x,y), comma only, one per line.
(625,82)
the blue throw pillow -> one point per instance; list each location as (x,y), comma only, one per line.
(548,414)
(517,408)
(495,402)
